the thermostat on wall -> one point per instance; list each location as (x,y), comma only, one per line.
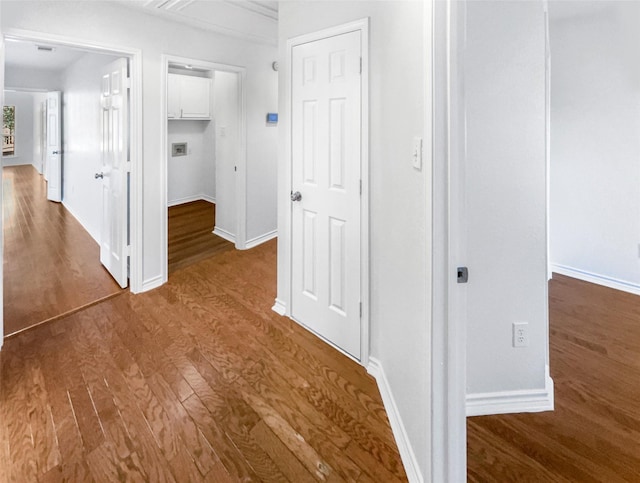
(272,118)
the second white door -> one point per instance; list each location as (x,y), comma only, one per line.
(114,174)
(326,179)
(54,146)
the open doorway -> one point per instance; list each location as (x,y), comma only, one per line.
(205,148)
(51,250)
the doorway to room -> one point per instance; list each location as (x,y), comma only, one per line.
(52,250)
(204,148)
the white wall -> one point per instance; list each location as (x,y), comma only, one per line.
(225,111)
(595,141)
(32,78)
(400,216)
(190,177)
(23,101)
(81,140)
(113,24)
(504,92)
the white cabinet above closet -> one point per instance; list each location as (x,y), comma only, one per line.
(188,97)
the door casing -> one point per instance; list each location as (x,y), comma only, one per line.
(284,307)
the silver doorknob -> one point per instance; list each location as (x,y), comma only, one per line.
(99,175)
(296,196)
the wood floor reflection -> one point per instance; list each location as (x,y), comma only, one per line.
(198,380)
(51,264)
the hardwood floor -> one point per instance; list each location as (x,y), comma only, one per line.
(51,264)
(190,234)
(197,380)
(594,432)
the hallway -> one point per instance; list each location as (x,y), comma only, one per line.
(51,264)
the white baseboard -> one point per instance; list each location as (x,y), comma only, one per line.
(152,283)
(414,475)
(224,234)
(506,402)
(189,199)
(95,236)
(279,307)
(259,240)
(597,279)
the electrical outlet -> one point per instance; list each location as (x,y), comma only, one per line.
(520,334)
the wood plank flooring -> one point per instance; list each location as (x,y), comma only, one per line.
(198,380)
(51,264)
(190,234)
(594,432)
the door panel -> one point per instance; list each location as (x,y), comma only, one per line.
(54,147)
(115,143)
(326,145)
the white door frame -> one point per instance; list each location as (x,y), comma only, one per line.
(1,194)
(241,174)
(448,385)
(135,132)
(281,306)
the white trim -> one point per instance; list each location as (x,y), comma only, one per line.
(241,173)
(279,307)
(409,460)
(224,234)
(363,27)
(259,240)
(190,199)
(1,194)
(597,279)
(152,283)
(448,360)
(136,187)
(506,402)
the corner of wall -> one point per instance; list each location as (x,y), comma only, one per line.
(409,460)
(508,402)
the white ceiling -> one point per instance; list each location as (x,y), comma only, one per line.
(26,54)
(256,20)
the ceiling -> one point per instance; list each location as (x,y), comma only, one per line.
(26,54)
(256,20)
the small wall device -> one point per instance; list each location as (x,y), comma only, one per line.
(178,149)
(272,118)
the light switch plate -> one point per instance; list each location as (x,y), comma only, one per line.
(417,153)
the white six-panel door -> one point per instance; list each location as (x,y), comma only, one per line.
(54,146)
(326,171)
(115,152)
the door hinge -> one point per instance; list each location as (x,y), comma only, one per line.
(127,251)
(360,309)
(361,65)
(235,168)
(127,166)
(127,82)
(360,187)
